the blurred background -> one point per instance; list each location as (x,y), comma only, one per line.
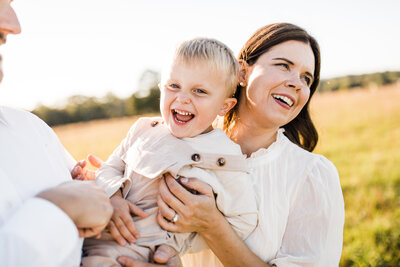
(93,47)
(89,68)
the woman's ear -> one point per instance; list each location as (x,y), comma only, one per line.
(243,70)
(229,103)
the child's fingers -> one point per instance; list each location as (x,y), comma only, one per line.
(82,163)
(89,174)
(124,231)
(116,234)
(95,161)
(130,225)
(80,177)
(77,170)
(136,210)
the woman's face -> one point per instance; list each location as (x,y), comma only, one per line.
(278,85)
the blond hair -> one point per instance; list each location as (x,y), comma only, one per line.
(214,53)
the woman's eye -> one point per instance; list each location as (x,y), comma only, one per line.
(307,80)
(284,65)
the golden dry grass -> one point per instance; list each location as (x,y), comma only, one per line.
(99,137)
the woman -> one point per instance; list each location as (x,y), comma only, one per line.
(301,208)
(300,202)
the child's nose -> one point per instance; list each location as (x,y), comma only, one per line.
(183,99)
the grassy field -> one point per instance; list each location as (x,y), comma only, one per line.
(359,132)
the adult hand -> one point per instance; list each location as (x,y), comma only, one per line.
(121,225)
(163,256)
(84,202)
(196,213)
(79,172)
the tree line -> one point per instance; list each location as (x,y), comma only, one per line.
(146,98)
(372,80)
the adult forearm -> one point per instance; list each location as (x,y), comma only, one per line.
(229,247)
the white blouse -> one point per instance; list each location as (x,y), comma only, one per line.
(301,209)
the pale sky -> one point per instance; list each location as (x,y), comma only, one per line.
(92,47)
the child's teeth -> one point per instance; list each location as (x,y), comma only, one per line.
(183,113)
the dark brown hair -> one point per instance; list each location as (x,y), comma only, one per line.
(301,129)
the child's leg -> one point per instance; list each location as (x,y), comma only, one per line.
(104,253)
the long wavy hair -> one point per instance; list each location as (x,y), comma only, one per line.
(300,130)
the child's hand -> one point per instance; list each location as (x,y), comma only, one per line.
(121,225)
(79,172)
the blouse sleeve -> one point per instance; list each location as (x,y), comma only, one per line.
(314,230)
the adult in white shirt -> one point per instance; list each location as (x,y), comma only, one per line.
(43,213)
(300,202)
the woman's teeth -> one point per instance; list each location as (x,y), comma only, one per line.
(284,99)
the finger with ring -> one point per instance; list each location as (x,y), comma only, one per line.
(175,219)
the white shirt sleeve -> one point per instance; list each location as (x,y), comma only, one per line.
(37,233)
(314,230)
(56,143)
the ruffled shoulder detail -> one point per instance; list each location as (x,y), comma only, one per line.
(275,147)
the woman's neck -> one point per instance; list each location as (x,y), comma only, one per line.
(251,137)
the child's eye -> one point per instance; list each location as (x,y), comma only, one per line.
(199,91)
(173,86)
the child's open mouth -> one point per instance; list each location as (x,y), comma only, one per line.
(181,116)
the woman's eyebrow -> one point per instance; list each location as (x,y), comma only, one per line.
(284,59)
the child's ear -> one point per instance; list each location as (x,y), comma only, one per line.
(229,103)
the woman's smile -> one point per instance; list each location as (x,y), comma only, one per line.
(283,100)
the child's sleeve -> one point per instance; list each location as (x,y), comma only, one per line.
(111,176)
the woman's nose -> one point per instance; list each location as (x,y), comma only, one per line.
(294,82)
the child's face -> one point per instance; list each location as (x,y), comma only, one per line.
(192,95)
